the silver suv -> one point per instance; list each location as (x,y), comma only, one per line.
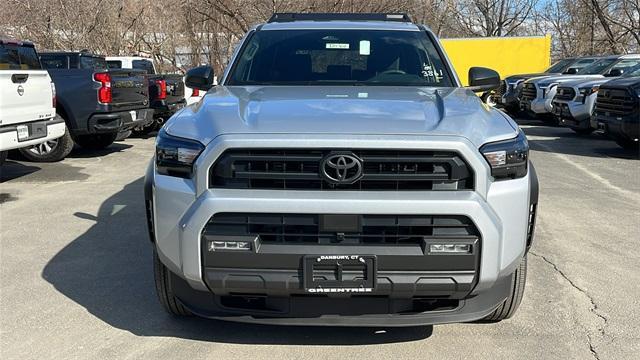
(341,175)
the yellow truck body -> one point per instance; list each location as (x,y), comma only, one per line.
(506,55)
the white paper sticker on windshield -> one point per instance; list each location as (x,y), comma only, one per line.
(365,47)
(337,46)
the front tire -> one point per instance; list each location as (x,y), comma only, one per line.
(164,289)
(511,304)
(96,141)
(3,157)
(49,151)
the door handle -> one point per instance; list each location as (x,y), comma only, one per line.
(19,78)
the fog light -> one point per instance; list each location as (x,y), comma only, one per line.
(450,248)
(229,245)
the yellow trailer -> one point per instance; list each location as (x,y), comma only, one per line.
(506,55)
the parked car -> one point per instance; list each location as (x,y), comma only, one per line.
(96,103)
(537,93)
(166,91)
(617,110)
(341,175)
(574,102)
(507,96)
(27,100)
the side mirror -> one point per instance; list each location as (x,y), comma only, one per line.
(572,71)
(483,79)
(615,73)
(200,78)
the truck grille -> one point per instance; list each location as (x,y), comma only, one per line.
(615,102)
(373,229)
(528,92)
(382,170)
(496,95)
(565,93)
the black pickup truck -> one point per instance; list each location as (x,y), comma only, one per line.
(617,109)
(96,103)
(166,91)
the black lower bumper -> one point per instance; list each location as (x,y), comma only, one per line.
(119,121)
(510,101)
(626,127)
(563,114)
(353,310)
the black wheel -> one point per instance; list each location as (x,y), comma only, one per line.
(3,157)
(164,289)
(96,141)
(51,150)
(628,144)
(511,304)
(586,131)
(123,135)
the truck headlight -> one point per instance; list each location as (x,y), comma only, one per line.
(175,156)
(508,158)
(586,92)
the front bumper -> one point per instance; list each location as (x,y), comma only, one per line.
(181,209)
(340,311)
(9,134)
(626,128)
(574,114)
(120,121)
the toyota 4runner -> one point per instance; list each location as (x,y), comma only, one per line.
(341,175)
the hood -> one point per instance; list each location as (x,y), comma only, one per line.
(517,77)
(561,79)
(582,83)
(341,110)
(631,81)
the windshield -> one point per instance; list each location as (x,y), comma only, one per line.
(598,67)
(339,57)
(143,65)
(92,62)
(17,57)
(634,71)
(114,64)
(560,66)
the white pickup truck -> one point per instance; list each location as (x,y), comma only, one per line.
(27,100)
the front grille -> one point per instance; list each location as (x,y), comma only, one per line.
(382,170)
(565,93)
(528,92)
(497,93)
(373,229)
(615,102)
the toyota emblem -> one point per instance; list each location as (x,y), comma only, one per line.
(20,90)
(339,168)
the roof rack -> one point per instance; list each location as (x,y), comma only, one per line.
(289,17)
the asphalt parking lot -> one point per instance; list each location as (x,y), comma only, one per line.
(76,273)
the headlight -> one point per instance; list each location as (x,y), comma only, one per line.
(585,92)
(175,156)
(508,158)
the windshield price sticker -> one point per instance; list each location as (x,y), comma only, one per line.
(337,46)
